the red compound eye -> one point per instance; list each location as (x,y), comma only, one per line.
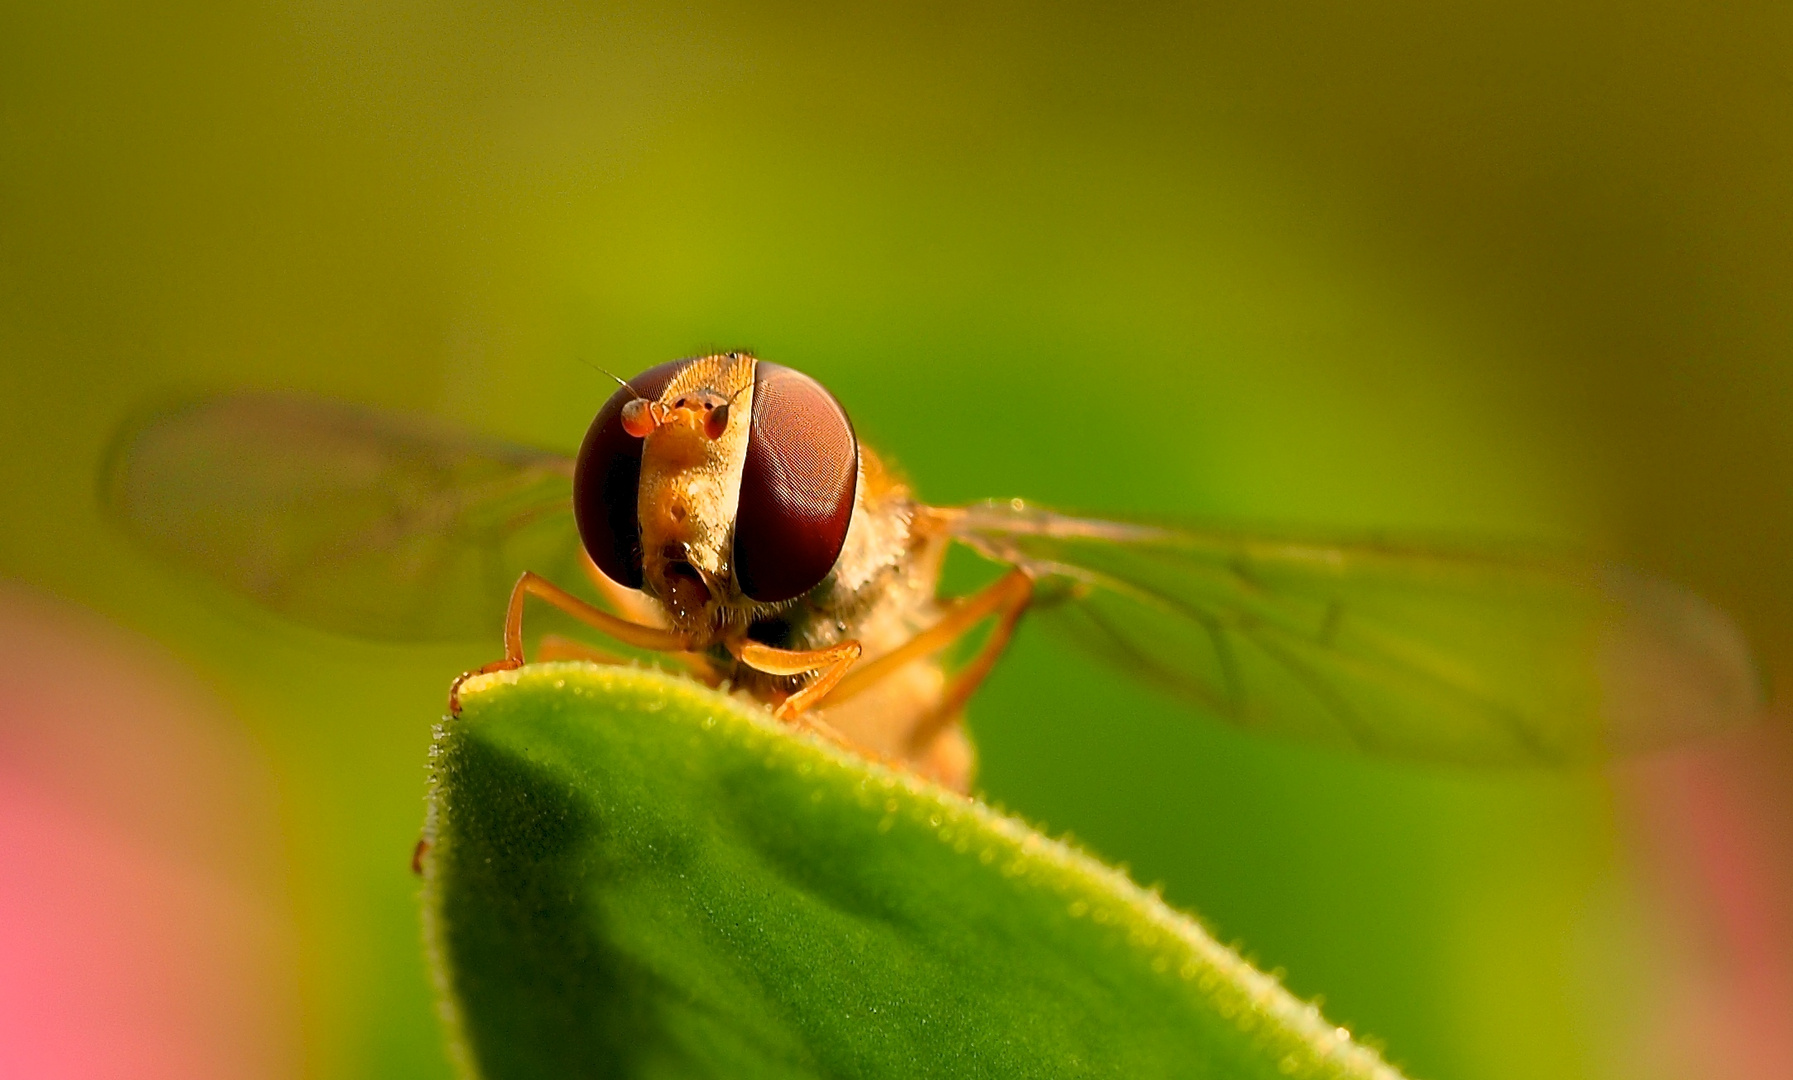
(608,475)
(796,488)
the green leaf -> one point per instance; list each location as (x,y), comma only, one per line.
(633,876)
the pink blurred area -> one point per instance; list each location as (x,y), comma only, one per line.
(144,930)
(1710,828)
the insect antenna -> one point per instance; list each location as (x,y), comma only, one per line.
(620,381)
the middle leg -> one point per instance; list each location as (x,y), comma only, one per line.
(1007,598)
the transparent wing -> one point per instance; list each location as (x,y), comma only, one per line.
(1401,650)
(346,519)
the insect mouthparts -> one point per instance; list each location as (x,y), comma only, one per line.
(686,591)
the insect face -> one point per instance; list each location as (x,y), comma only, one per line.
(716,481)
(690,486)
(658,480)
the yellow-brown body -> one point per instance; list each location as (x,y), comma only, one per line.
(881,592)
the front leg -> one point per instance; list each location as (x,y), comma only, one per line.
(555,647)
(832,662)
(652,638)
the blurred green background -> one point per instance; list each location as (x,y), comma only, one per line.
(1501,269)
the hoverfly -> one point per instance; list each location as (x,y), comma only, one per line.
(727,515)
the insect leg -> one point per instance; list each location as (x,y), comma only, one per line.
(1008,595)
(1010,605)
(629,633)
(832,662)
(555,647)
(531,583)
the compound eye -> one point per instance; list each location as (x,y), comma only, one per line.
(797,486)
(607,479)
